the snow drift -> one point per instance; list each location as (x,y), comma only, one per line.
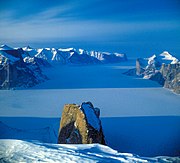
(33,151)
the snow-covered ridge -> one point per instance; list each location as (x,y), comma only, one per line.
(68,55)
(153,64)
(168,57)
(164,57)
(163,68)
(19,69)
(33,151)
(4,56)
(27,60)
(73,56)
(155,61)
(5,47)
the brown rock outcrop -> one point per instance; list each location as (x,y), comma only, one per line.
(80,125)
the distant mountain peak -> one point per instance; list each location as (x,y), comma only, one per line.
(29,47)
(5,47)
(168,57)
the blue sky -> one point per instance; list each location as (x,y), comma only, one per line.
(113,21)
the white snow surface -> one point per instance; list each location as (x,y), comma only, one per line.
(106,87)
(167,56)
(151,59)
(115,102)
(90,116)
(33,151)
(164,57)
(117,95)
(62,56)
(28,59)
(66,49)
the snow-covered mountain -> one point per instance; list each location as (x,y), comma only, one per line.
(5,47)
(73,56)
(156,61)
(106,57)
(163,68)
(18,69)
(23,67)
(68,55)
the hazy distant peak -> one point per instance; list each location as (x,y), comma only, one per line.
(5,47)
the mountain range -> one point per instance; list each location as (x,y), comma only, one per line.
(23,67)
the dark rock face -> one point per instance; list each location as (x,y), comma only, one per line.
(113,58)
(14,72)
(130,72)
(139,67)
(171,74)
(83,58)
(80,125)
(167,75)
(158,77)
(138,71)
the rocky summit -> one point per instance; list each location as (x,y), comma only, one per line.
(80,125)
(164,69)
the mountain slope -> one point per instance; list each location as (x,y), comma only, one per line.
(163,68)
(33,151)
(73,56)
(23,67)
(45,134)
(18,71)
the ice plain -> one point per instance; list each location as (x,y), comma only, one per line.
(138,115)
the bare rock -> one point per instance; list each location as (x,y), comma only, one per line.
(80,125)
(158,77)
(14,72)
(139,67)
(171,73)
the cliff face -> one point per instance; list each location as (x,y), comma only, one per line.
(14,72)
(80,125)
(164,69)
(168,75)
(139,67)
(171,74)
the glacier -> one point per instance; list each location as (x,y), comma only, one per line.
(139,117)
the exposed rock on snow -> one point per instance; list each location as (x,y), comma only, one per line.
(80,125)
(5,47)
(70,55)
(73,56)
(22,67)
(83,58)
(171,74)
(139,66)
(164,69)
(157,76)
(106,57)
(16,72)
